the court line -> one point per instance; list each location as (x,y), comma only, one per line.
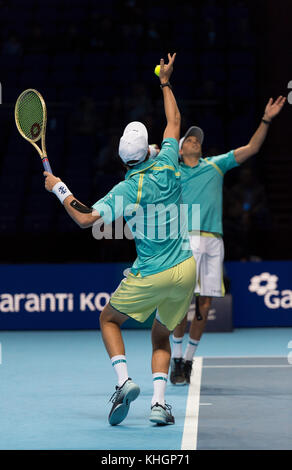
(245,357)
(247,366)
(190,432)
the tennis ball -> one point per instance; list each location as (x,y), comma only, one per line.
(157,70)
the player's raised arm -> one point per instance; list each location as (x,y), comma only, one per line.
(272,109)
(83,216)
(170,106)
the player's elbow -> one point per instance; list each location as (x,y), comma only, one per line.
(255,149)
(84,225)
(252,150)
(88,220)
(84,221)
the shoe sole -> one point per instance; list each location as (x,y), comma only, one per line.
(180,384)
(156,418)
(121,411)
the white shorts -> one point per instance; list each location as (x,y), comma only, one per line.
(208,252)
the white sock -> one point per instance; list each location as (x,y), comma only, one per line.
(120,365)
(176,347)
(159,385)
(191,349)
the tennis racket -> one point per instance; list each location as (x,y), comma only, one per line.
(31,120)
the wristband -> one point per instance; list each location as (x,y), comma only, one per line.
(61,191)
(266,122)
(162,85)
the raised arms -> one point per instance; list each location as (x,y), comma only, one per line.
(172,113)
(272,110)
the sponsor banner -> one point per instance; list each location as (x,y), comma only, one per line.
(220,317)
(262,293)
(58,296)
(63,296)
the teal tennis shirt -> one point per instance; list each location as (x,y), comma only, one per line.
(150,201)
(202,185)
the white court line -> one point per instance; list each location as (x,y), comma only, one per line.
(245,357)
(247,366)
(189,439)
(190,432)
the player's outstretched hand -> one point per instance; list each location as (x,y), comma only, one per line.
(50,180)
(166,69)
(273,108)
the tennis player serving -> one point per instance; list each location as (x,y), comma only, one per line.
(163,276)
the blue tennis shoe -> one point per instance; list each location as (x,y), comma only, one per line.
(161,415)
(121,399)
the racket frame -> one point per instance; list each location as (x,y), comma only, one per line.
(41,151)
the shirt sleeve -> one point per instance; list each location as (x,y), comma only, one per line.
(169,151)
(112,206)
(224,162)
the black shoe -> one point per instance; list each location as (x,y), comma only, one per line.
(177,376)
(161,415)
(121,399)
(187,370)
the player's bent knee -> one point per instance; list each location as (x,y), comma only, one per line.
(160,334)
(205,302)
(110,314)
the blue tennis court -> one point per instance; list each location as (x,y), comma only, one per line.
(55,387)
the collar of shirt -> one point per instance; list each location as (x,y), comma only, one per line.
(139,168)
(191,167)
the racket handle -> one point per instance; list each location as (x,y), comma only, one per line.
(46,164)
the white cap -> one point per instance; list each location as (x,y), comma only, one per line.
(194,131)
(134,143)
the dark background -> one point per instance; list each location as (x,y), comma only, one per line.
(93,62)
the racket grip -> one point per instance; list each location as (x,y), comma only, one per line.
(46,164)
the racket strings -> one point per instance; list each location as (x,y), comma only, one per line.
(30,115)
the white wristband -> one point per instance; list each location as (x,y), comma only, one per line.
(61,191)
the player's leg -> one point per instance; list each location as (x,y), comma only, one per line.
(177,338)
(171,311)
(211,284)
(137,298)
(177,369)
(177,366)
(126,390)
(197,328)
(160,411)
(160,348)
(110,323)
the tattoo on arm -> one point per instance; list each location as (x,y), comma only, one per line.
(80,207)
